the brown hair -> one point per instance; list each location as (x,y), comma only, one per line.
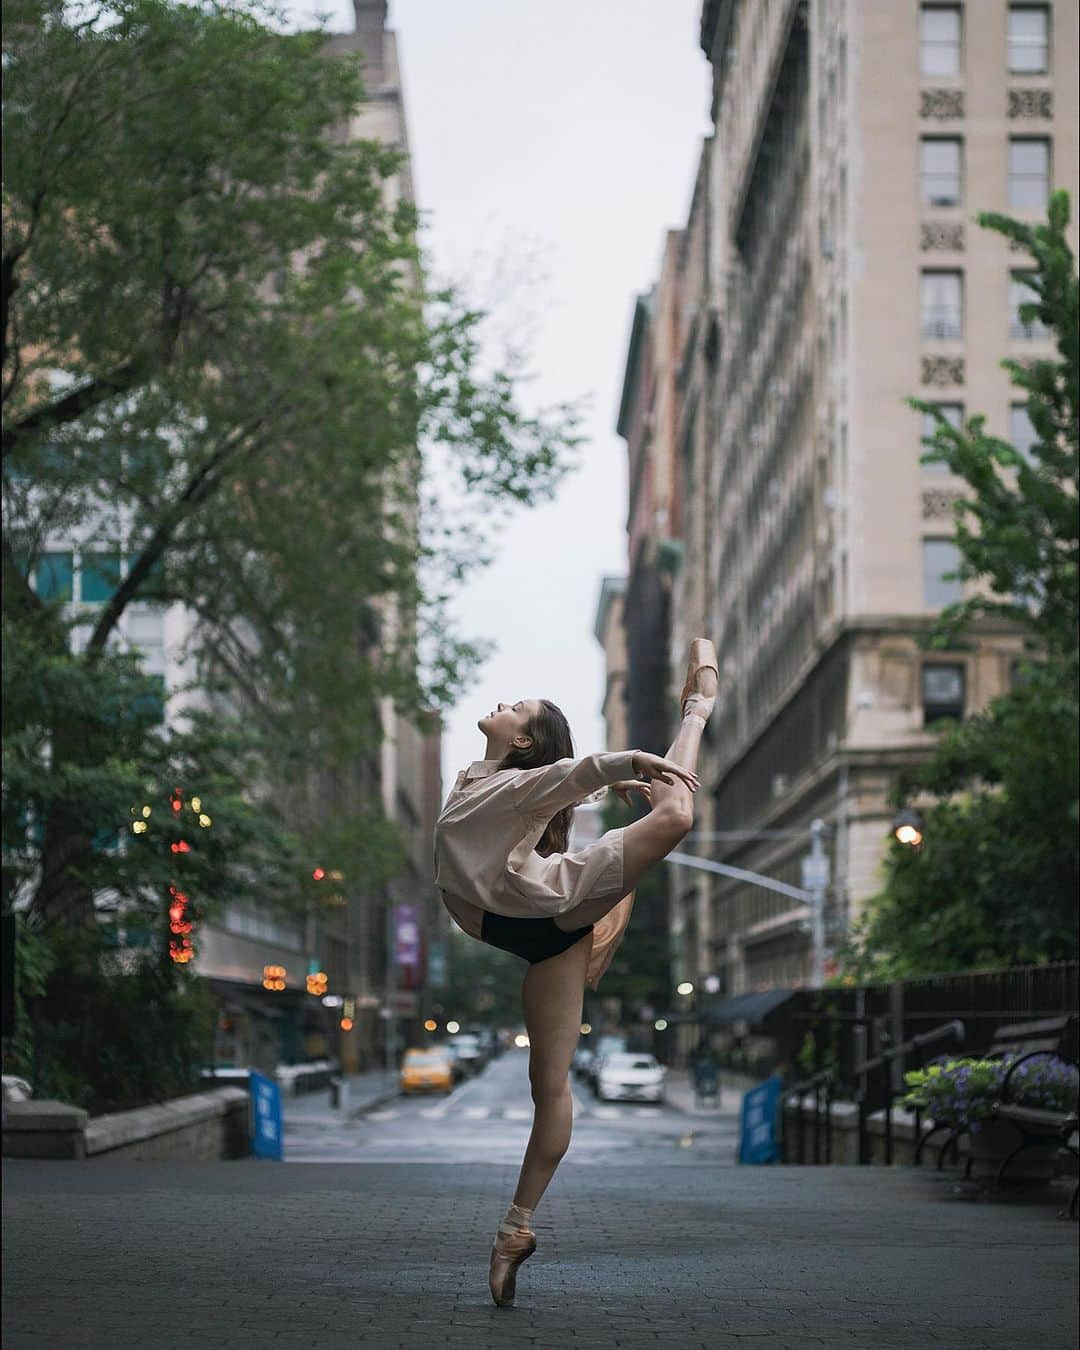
(551,741)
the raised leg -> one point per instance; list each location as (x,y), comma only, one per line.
(648,840)
(551,997)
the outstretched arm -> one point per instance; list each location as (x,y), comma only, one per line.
(566,782)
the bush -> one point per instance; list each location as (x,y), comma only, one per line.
(104,1039)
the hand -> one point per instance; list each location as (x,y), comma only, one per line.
(624,788)
(664,770)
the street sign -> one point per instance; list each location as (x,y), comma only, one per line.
(757,1135)
(266,1117)
(815,872)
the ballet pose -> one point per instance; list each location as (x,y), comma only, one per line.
(507,878)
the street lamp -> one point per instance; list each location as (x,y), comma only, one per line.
(908,828)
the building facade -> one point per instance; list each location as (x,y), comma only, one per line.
(832,223)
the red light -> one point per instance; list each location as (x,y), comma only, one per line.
(318,874)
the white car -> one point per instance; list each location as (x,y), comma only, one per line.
(468,1052)
(630,1077)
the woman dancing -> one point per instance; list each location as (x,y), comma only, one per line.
(505,875)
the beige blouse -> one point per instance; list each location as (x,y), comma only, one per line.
(485,841)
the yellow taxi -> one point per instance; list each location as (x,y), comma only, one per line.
(427,1070)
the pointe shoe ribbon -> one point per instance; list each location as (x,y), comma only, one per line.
(702,657)
(508,1251)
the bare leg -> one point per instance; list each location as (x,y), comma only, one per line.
(551,997)
(646,841)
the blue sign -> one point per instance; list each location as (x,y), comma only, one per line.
(757,1138)
(266,1116)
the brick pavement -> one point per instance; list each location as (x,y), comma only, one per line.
(136,1256)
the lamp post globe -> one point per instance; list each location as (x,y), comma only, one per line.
(907,828)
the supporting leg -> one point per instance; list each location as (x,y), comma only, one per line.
(551,997)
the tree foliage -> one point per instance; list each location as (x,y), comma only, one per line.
(996,878)
(221,361)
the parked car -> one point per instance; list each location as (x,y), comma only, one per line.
(610,1044)
(469,1052)
(583,1058)
(630,1077)
(428,1069)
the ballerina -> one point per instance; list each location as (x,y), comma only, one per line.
(506,876)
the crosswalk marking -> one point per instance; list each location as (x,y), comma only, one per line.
(517,1113)
(476,1112)
(382,1115)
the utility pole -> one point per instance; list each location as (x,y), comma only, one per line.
(815,879)
(390,1022)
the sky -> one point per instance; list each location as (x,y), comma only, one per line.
(553,142)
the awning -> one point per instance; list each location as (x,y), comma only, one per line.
(239,997)
(752,1007)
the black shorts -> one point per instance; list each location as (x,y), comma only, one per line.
(533,939)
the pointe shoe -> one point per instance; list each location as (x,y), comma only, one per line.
(702,657)
(508,1251)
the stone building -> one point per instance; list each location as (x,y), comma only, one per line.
(832,222)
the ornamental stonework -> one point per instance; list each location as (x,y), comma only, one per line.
(937,502)
(937,236)
(941,105)
(1037,103)
(943,370)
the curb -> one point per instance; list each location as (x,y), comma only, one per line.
(375,1102)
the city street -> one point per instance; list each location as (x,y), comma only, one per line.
(486,1119)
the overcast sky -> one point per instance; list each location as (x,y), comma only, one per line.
(560,137)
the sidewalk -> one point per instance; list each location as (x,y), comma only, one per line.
(366,1091)
(110,1255)
(679,1088)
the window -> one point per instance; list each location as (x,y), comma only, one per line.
(940,171)
(1029,172)
(942,305)
(940,556)
(939,40)
(1029,39)
(54,575)
(1020,293)
(1022,434)
(100,575)
(942,692)
(954,415)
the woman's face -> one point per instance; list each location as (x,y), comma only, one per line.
(505,725)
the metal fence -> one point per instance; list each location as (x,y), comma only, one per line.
(838,1029)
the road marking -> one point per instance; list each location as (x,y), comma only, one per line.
(517,1113)
(476,1113)
(382,1115)
(607,1112)
(434,1112)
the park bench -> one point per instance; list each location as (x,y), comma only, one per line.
(1037,1125)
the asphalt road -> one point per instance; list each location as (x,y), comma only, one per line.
(487,1119)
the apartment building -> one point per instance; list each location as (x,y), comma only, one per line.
(853,145)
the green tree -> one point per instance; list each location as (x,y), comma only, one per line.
(220,359)
(995,880)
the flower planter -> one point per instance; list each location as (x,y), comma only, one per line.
(995,1140)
